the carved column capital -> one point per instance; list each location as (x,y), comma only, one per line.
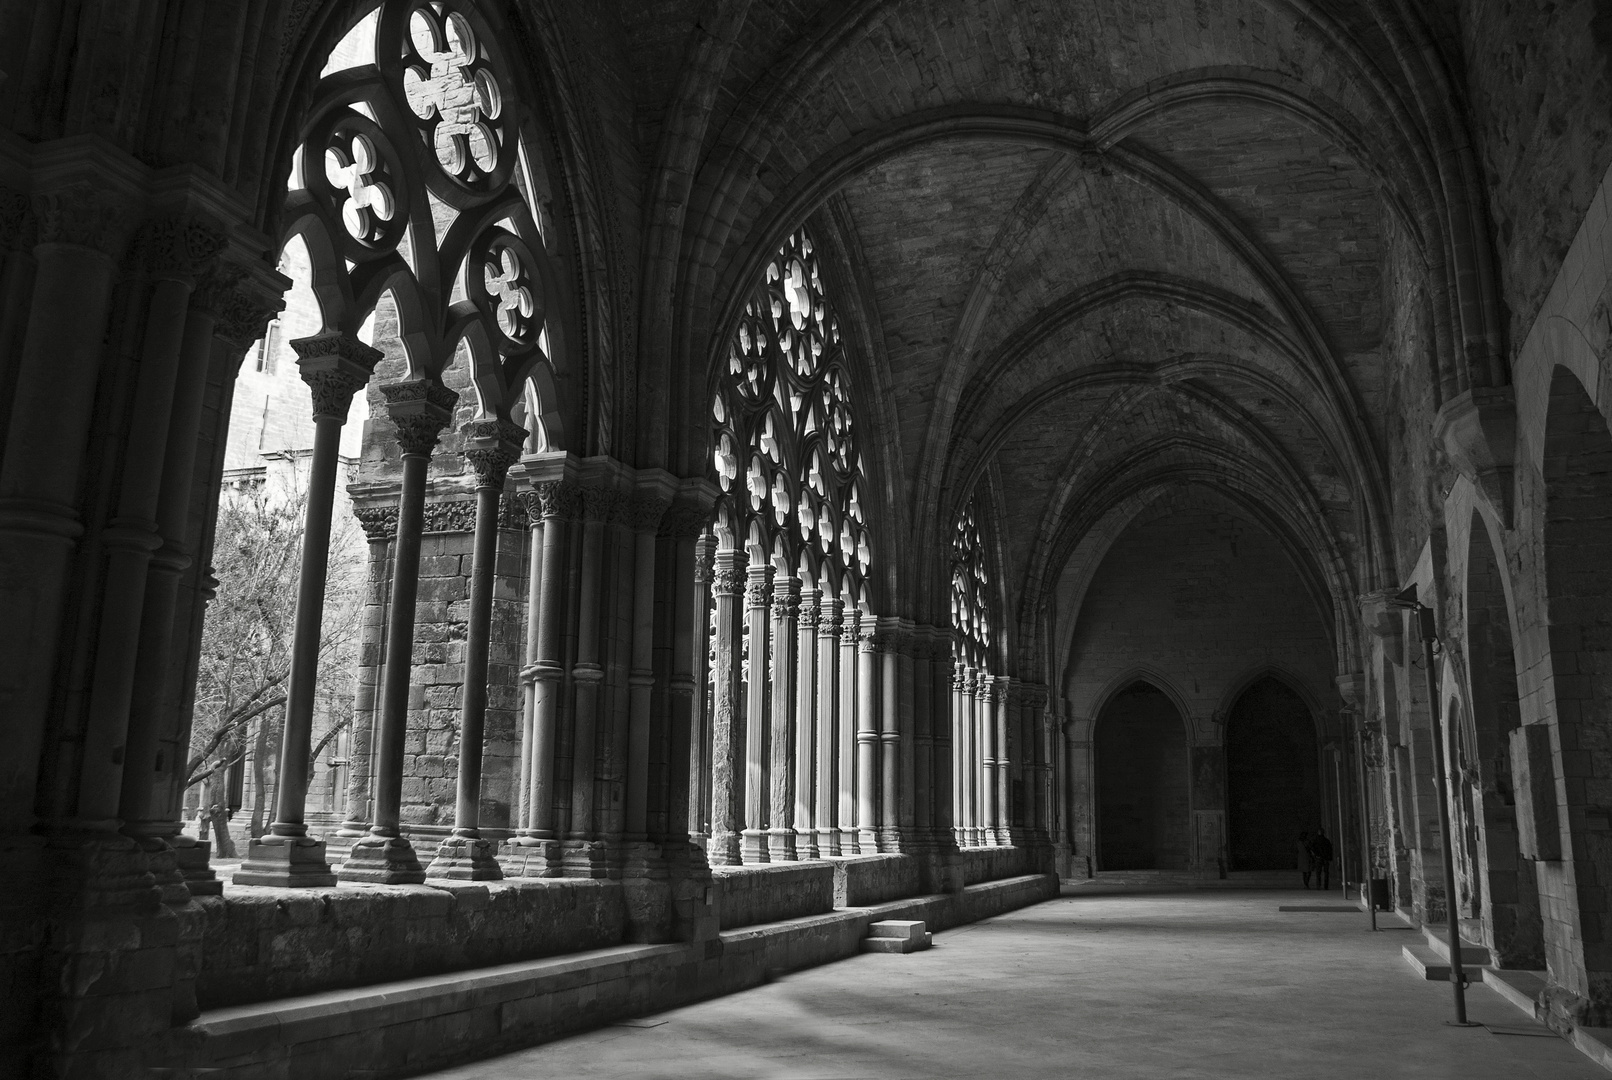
(645,511)
(602,504)
(176,247)
(559,500)
(681,522)
(378,522)
(491,447)
(335,366)
(17,230)
(727,581)
(758,588)
(786,597)
(241,308)
(420,409)
(811,611)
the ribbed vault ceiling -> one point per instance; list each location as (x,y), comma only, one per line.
(1104,249)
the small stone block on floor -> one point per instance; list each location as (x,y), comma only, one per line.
(897,936)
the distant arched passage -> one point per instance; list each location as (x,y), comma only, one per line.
(1142,789)
(1273,786)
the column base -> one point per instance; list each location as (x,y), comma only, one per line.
(382,860)
(580,858)
(753,846)
(723,849)
(195,863)
(781,845)
(806,845)
(465,858)
(893,841)
(531,857)
(285,862)
(828,843)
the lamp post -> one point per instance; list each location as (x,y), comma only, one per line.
(1424,623)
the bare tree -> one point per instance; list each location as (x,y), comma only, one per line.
(246,640)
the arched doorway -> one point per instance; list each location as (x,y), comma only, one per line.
(1510,904)
(1142,799)
(1273,785)
(1578,582)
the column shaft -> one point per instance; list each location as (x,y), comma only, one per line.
(867,742)
(727,733)
(825,805)
(785,631)
(757,754)
(806,728)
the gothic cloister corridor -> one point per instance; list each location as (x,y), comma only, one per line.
(521,514)
(1198,985)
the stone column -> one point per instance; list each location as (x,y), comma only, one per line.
(785,631)
(893,795)
(825,806)
(601,506)
(943,765)
(557,504)
(925,798)
(1008,719)
(845,737)
(155,759)
(647,514)
(757,788)
(989,726)
(491,447)
(81,233)
(528,673)
(335,366)
(727,763)
(700,733)
(867,740)
(380,526)
(806,727)
(420,409)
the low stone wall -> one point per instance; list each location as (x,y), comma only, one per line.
(993,864)
(746,895)
(408,1027)
(861,880)
(261,944)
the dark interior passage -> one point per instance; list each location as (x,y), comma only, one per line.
(1273,790)
(1141,747)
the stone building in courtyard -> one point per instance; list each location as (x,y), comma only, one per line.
(806,458)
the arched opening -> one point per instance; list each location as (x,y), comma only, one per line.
(1510,908)
(1142,797)
(1578,577)
(1273,784)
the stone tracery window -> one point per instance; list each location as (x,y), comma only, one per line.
(971,618)
(417,175)
(786,449)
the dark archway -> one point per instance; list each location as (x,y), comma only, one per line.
(1142,797)
(1510,907)
(1578,581)
(1273,786)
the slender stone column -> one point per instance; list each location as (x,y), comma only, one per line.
(647,512)
(987,694)
(785,631)
(867,739)
(380,526)
(727,765)
(420,409)
(966,763)
(925,797)
(806,727)
(1008,719)
(757,788)
(335,366)
(491,447)
(942,665)
(557,504)
(826,804)
(894,798)
(699,810)
(528,674)
(845,738)
(601,506)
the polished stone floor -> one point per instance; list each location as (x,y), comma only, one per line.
(1207,984)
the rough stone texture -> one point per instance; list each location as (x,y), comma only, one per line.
(262,944)
(746,895)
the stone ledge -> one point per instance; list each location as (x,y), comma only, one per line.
(409,1026)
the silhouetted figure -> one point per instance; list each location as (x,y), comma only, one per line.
(1304,857)
(1321,859)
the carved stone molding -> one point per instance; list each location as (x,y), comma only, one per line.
(727,581)
(458,516)
(378,522)
(682,522)
(17,231)
(491,447)
(335,366)
(603,505)
(786,598)
(420,409)
(176,247)
(83,214)
(240,310)
(645,511)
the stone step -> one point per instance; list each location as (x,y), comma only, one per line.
(1594,1043)
(1437,937)
(897,936)
(1435,968)
(1521,988)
